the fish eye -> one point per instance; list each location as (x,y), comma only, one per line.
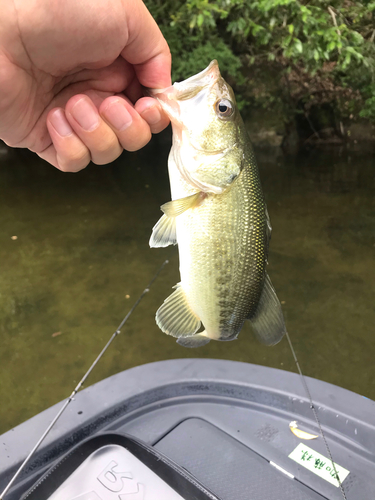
(224,108)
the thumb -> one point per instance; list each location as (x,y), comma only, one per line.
(146,48)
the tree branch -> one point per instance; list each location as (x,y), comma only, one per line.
(333,15)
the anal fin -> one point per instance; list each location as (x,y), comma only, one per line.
(196,340)
(268,320)
(175,316)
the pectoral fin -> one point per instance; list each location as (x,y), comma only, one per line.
(177,207)
(164,232)
(268,320)
(175,316)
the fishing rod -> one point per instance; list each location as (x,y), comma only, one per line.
(313,409)
(81,382)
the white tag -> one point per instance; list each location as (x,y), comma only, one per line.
(319,464)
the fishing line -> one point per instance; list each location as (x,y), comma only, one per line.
(81,382)
(312,406)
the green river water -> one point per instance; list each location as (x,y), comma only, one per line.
(81,259)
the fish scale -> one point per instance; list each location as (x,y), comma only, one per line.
(222,279)
(217,217)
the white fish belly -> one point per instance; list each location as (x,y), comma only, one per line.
(207,248)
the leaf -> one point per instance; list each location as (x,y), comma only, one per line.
(357,37)
(298,45)
(352,52)
(331,46)
(346,60)
(193,22)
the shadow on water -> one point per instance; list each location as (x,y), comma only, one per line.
(81,258)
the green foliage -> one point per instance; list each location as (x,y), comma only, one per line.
(290,54)
(368,110)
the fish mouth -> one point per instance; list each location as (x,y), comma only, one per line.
(193,85)
(182,91)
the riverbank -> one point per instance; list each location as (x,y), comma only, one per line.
(267,130)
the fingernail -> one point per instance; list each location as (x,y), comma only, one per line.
(151,115)
(117,115)
(60,123)
(85,114)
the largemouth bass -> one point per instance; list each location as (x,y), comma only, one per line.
(218,218)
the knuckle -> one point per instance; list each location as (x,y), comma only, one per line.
(103,160)
(137,141)
(67,167)
(159,127)
(11,143)
(106,150)
(106,146)
(74,162)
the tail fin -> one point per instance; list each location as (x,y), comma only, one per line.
(268,320)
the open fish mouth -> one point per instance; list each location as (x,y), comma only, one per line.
(189,87)
(193,85)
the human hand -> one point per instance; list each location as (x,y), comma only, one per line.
(71,75)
